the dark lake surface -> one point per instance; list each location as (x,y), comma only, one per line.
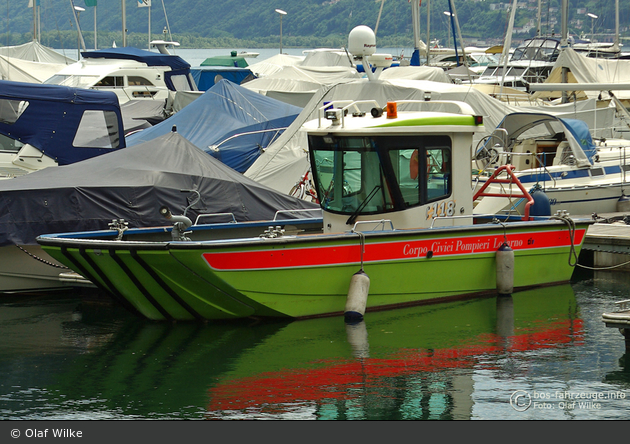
(70,356)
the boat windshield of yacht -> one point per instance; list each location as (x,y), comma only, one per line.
(537,49)
(74,81)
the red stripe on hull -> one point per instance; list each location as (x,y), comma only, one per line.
(385,251)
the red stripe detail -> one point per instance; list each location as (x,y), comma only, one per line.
(281,257)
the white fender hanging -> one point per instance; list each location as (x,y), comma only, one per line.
(357,297)
(505,269)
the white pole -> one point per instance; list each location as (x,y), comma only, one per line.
(378,19)
(95,45)
(149,26)
(39,22)
(428,31)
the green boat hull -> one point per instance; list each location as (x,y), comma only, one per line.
(309,276)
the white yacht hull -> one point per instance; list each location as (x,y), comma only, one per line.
(29,268)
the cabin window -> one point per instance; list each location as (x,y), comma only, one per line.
(98,129)
(7,144)
(111,82)
(597,172)
(367,175)
(181,82)
(438,182)
(11,110)
(351,178)
(516,72)
(138,81)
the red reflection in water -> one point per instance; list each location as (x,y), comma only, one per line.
(334,379)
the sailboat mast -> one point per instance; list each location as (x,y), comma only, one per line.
(378,19)
(428,31)
(616,45)
(124,24)
(459,35)
(95,45)
(34,22)
(415,17)
(452,15)
(564,44)
(505,55)
(538,19)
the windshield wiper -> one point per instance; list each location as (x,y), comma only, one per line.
(369,197)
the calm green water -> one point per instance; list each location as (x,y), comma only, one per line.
(68,357)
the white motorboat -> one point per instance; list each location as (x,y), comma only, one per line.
(131,73)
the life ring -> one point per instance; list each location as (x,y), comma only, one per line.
(413,165)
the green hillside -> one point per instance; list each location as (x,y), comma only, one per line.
(308,23)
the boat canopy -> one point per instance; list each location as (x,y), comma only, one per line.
(179,67)
(31,62)
(224,111)
(539,125)
(140,55)
(237,62)
(588,70)
(207,76)
(132,184)
(33,114)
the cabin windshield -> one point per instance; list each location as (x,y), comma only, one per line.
(370,175)
(74,81)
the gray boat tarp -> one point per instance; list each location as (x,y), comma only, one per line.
(132,184)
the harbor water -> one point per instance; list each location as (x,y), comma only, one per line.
(538,354)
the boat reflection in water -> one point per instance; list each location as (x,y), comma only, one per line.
(414,363)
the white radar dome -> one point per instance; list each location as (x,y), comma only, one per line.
(362,41)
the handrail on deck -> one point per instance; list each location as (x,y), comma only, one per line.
(512,179)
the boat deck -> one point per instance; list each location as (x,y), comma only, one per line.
(609,241)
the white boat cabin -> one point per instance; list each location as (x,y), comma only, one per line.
(407,167)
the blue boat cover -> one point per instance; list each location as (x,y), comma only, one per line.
(225,110)
(139,55)
(582,135)
(133,184)
(206,77)
(52,117)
